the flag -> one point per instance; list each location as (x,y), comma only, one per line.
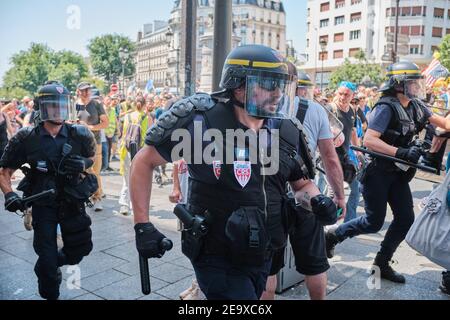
(149,86)
(435,71)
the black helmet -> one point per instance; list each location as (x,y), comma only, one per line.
(304,80)
(53,102)
(265,73)
(400,76)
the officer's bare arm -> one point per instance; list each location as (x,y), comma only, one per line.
(373,142)
(141,181)
(5,179)
(304,191)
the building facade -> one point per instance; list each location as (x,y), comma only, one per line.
(151,58)
(339,29)
(254,22)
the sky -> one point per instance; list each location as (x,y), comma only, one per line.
(49,21)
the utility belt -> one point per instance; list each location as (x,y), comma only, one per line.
(72,190)
(240,236)
(379,165)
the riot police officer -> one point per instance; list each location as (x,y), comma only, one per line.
(397,117)
(58,155)
(229,193)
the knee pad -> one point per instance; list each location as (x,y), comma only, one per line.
(77,239)
(74,255)
(76,223)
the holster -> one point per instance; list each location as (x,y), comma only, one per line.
(191,245)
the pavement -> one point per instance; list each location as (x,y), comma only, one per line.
(111,271)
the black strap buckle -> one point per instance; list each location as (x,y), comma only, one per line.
(254,237)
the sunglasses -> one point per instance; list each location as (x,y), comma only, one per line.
(272,84)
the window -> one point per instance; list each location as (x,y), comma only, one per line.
(323,56)
(388,12)
(439,13)
(447,31)
(405,11)
(340,4)
(355,34)
(338,54)
(324,23)
(416,11)
(338,37)
(324,7)
(339,20)
(414,49)
(356,2)
(353,52)
(323,38)
(404,30)
(415,30)
(437,32)
(354,17)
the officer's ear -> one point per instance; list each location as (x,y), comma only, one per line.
(239,93)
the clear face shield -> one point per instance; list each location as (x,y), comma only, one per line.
(54,108)
(270,96)
(305,92)
(415,89)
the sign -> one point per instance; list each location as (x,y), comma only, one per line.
(402,38)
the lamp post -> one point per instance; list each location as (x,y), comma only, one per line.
(171,43)
(123,55)
(323,45)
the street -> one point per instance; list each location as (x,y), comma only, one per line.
(111,271)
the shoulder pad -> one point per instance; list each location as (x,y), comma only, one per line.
(23,133)
(86,137)
(202,101)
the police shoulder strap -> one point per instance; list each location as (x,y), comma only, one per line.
(302,109)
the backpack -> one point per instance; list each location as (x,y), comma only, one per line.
(133,133)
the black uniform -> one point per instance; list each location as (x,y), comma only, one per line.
(44,154)
(235,198)
(383,182)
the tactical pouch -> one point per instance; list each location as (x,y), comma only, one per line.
(247,236)
(81,191)
(191,245)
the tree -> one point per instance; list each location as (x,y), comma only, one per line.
(356,72)
(104,55)
(444,52)
(32,68)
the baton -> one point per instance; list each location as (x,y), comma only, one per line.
(143,263)
(390,158)
(26,201)
(165,244)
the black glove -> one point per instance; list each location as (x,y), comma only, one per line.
(411,154)
(13,202)
(149,241)
(77,164)
(325,210)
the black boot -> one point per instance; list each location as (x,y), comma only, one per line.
(331,240)
(386,271)
(445,285)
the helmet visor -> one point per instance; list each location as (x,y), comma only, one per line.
(415,88)
(270,96)
(54,108)
(305,92)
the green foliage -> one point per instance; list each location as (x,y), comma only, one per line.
(356,72)
(444,52)
(104,55)
(32,68)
